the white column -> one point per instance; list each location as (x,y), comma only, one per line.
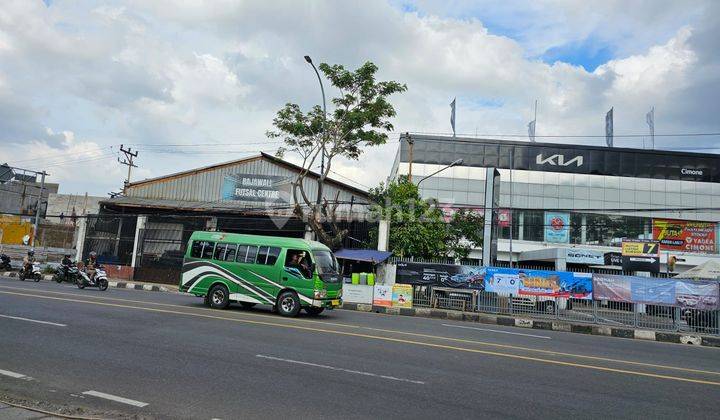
(521,225)
(139,226)
(383,235)
(583,229)
(309,234)
(80,240)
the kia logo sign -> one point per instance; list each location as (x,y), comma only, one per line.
(686,171)
(558,160)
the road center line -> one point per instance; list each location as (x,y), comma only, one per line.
(115,398)
(496,331)
(33,320)
(356,372)
(12,374)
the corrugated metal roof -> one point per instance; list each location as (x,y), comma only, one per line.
(233,163)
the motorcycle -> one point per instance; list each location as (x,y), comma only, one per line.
(33,273)
(70,276)
(99,280)
(5,263)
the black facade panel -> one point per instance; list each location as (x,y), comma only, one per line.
(564,158)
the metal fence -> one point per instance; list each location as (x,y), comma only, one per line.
(617,314)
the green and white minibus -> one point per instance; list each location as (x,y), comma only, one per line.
(288,273)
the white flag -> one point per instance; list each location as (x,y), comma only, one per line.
(531,130)
(609,128)
(452,115)
(650,119)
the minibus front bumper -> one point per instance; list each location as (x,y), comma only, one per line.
(326,303)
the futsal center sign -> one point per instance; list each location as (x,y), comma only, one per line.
(256,188)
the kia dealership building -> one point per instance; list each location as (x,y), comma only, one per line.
(565,199)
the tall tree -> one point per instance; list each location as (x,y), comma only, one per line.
(360,119)
(419,228)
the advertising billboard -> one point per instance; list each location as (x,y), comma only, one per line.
(382,295)
(685,235)
(518,281)
(557,227)
(640,255)
(632,289)
(402,295)
(448,275)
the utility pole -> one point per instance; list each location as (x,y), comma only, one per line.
(411,142)
(129,155)
(37,207)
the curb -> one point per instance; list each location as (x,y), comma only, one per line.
(116,284)
(136,286)
(631,333)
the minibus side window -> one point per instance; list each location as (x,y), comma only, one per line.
(230,252)
(202,249)
(220,252)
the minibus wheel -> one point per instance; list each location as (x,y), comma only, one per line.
(219,297)
(288,304)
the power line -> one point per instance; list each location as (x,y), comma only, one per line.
(711,134)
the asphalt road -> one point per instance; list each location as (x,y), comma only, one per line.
(126,352)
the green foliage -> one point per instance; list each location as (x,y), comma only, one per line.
(418,228)
(360,118)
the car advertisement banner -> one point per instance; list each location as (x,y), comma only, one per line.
(611,287)
(648,290)
(424,273)
(557,227)
(448,275)
(696,294)
(402,295)
(382,295)
(654,291)
(685,235)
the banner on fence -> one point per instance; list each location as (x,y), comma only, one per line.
(448,275)
(633,289)
(357,293)
(402,295)
(537,283)
(684,235)
(696,294)
(382,295)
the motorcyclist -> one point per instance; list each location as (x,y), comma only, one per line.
(66,263)
(28,261)
(91,265)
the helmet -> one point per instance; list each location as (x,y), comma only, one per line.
(93,254)
(31,252)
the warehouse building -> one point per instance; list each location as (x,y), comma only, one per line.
(571,196)
(144,231)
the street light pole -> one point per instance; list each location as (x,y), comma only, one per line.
(455,163)
(322,151)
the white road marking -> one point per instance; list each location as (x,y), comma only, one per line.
(12,374)
(33,320)
(497,331)
(357,372)
(115,398)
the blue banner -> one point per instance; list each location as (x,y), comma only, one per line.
(557,227)
(520,281)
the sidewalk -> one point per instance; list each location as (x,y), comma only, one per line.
(8,412)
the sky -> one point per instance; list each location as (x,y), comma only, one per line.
(193,83)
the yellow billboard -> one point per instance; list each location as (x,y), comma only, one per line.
(13,229)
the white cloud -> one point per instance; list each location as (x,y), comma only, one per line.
(201,72)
